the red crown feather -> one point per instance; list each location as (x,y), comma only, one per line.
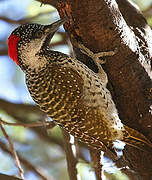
(12,47)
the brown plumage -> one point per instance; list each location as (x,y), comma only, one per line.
(69,92)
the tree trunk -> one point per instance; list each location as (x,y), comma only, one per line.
(103,25)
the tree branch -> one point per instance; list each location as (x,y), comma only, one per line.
(46,124)
(7,177)
(96,159)
(26,163)
(71,158)
(17,161)
(24,20)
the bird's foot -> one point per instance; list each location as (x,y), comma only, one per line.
(96,56)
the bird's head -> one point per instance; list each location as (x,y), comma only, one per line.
(28,42)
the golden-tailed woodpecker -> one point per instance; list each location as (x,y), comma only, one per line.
(68,91)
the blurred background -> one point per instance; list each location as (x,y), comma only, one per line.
(40,151)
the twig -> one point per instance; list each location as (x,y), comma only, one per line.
(71,159)
(17,161)
(96,159)
(26,163)
(29,125)
(20,108)
(24,20)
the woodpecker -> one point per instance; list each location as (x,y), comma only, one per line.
(74,96)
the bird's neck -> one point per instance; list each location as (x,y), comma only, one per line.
(30,60)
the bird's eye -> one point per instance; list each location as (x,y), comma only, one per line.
(38,34)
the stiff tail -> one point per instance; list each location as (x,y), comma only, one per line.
(137,140)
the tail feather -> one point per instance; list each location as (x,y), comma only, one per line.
(136,139)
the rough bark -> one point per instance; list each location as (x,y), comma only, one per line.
(103,25)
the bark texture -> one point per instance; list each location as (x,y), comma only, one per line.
(103,25)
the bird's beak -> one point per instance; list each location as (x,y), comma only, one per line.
(52,28)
